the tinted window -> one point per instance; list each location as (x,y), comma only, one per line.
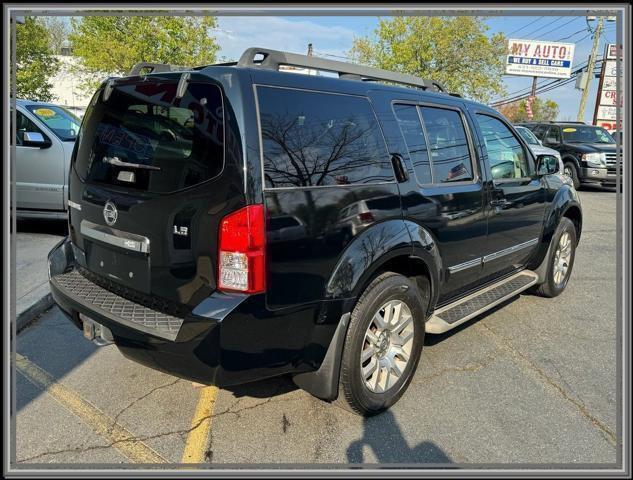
(25,124)
(63,123)
(505,154)
(411,128)
(553,135)
(314,139)
(171,143)
(586,134)
(450,157)
(539,131)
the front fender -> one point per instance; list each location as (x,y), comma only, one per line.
(565,198)
(377,245)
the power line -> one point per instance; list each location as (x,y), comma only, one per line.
(525,26)
(559,26)
(543,26)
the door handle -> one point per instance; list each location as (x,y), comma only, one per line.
(399,168)
(498,199)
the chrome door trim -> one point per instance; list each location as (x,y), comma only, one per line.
(512,249)
(118,238)
(463,266)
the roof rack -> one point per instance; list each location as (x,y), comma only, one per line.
(154,68)
(565,122)
(272,59)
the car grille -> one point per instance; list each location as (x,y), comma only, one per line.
(612,160)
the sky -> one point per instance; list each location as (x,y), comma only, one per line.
(333,36)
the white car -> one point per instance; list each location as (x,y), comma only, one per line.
(536,146)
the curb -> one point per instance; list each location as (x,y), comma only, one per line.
(27,316)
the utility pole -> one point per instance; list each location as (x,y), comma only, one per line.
(590,66)
(531,98)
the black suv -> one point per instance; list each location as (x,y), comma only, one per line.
(233,222)
(588,152)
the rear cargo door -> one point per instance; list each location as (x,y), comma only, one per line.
(150,180)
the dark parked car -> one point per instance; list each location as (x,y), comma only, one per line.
(588,153)
(182,183)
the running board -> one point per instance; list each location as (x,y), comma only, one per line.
(462,310)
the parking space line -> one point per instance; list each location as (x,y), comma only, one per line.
(196,444)
(119,437)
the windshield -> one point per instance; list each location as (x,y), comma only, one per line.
(586,134)
(528,136)
(60,121)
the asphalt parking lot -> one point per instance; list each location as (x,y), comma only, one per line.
(533,382)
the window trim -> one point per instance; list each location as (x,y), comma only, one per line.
(261,140)
(526,150)
(471,149)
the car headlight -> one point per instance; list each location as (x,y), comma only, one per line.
(595,159)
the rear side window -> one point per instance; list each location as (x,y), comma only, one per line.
(448,145)
(145,138)
(411,128)
(319,139)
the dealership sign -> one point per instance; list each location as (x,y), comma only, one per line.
(607,101)
(539,59)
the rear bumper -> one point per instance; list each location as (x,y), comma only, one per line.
(598,175)
(226,340)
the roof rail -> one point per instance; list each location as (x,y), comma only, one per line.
(567,121)
(272,59)
(154,68)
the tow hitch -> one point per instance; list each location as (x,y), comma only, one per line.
(96,332)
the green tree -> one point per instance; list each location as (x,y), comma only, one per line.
(542,110)
(454,51)
(113,45)
(35,63)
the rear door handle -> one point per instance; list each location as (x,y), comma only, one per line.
(399,168)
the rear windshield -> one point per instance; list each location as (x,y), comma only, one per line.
(145,138)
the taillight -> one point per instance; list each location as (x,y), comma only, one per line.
(242,251)
(366,217)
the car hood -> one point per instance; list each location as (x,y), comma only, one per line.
(541,150)
(593,147)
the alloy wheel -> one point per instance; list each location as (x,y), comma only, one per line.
(387,346)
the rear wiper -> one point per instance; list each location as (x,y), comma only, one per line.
(116,161)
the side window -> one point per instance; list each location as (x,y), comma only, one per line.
(411,128)
(553,135)
(539,131)
(505,154)
(450,156)
(25,124)
(316,139)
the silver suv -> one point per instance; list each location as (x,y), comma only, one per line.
(45,138)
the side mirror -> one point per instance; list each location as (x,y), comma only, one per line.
(35,139)
(552,141)
(547,164)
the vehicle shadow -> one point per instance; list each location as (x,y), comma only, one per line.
(267,388)
(51,227)
(383,436)
(598,188)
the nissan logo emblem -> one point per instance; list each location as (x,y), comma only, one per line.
(110,213)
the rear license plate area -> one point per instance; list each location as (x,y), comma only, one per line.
(127,268)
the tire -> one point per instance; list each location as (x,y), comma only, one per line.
(387,290)
(553,285)
(573,173)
